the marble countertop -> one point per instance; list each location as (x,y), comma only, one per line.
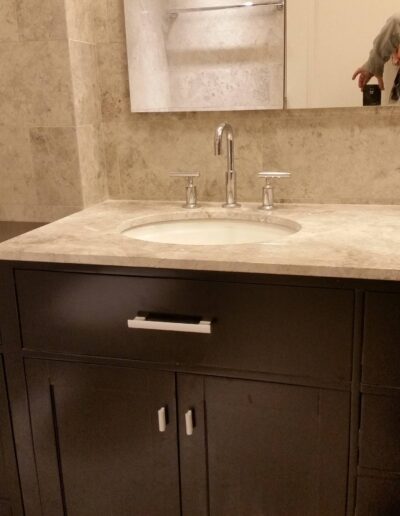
(343,241)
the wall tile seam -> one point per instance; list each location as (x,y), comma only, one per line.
(102,141)
(73,40)
(104,145)
(71,82)
(28,127)
(80,160)
(41,206)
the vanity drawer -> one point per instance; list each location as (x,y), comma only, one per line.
(381,350)
(380,431)
(279,329)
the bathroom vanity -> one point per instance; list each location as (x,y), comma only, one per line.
(153,380)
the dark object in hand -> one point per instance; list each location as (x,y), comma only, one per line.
(372,95)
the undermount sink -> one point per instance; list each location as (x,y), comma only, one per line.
(214,231)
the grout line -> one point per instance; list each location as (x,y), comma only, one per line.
(81,41)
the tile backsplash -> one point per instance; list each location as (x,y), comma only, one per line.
(67,133)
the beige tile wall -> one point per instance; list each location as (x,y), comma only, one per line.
(39,172)
(66,130)
(51,159)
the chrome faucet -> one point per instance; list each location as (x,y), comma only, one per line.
(230,173)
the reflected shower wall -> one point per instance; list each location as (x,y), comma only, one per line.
(149,76)
(231,59)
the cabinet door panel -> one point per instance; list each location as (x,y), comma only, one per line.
(378,497)
(97,441)
(381,350)
(276,450)
(379,432)
(5,508)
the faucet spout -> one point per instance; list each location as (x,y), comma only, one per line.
(230,172)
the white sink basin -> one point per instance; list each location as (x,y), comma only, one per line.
(214,231)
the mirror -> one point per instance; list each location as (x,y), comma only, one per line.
(327,40)
(216,55)
(205,55)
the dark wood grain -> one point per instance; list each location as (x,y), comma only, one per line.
(193,449)
(378,497)
(381,361)
(282,330)
(380,432)
(98,447)
(276,450)
(10,494)
(293,330)
(17,394)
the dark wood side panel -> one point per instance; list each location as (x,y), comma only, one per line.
(97,441)
(381,361)
(378,496)
(15,374)
(274,329)
(10,495)
(380,432)
(276,449)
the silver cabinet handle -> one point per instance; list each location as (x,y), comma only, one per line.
(162,419)
(189,422)
(142,323)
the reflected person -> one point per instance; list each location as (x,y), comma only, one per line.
(385,45)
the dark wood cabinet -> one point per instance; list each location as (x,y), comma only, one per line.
(289,407)
(378,492)
(380,432)
(287,330)
(99,448)
(276,449)
(381,360)
(98,445)
(10,496)
(378,496)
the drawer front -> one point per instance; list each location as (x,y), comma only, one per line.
(380,431)
(278,329)
(381,360)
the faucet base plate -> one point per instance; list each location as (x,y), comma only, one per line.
(231,205)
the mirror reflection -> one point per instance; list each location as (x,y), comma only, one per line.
(342,54)
(203,55)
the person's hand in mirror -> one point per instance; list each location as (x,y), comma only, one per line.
(385,45)
(364,76)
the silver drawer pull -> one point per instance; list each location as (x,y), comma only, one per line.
(189,422)
(142,323)
(162,419)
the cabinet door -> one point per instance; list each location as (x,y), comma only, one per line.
(275,450)
(10,496)
(98,443)
(378,496)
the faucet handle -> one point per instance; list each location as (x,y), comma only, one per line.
(191,190)
(268,192)
(274,175)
